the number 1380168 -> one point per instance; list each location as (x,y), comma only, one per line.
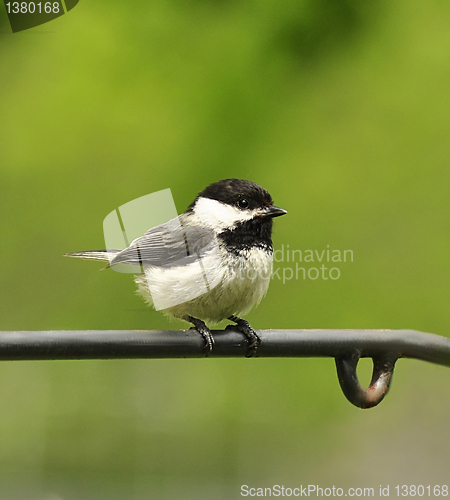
(412,491)
(32,7)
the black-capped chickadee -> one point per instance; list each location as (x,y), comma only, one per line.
(211,263)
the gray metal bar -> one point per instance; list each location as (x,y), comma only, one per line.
(116,344)
(346,346)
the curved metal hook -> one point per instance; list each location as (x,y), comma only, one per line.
(383,369)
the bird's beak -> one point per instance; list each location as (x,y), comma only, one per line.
(273,211)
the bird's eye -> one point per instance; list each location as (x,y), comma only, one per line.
(243,203)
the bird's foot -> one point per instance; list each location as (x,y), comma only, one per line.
(204,331)
(254,340)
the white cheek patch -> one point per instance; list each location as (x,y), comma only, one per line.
(219,215)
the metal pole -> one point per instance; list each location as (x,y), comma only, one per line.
(346,346)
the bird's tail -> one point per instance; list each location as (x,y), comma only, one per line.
(102,255)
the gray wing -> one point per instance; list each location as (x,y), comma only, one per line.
(167,244)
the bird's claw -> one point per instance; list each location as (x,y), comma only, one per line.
(254,341)
(205,332)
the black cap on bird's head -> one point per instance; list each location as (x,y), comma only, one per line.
(243,195)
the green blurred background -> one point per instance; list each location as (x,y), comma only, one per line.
(341,109)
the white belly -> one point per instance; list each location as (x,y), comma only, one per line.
(242,283)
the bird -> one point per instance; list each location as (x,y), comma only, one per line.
(213,262)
